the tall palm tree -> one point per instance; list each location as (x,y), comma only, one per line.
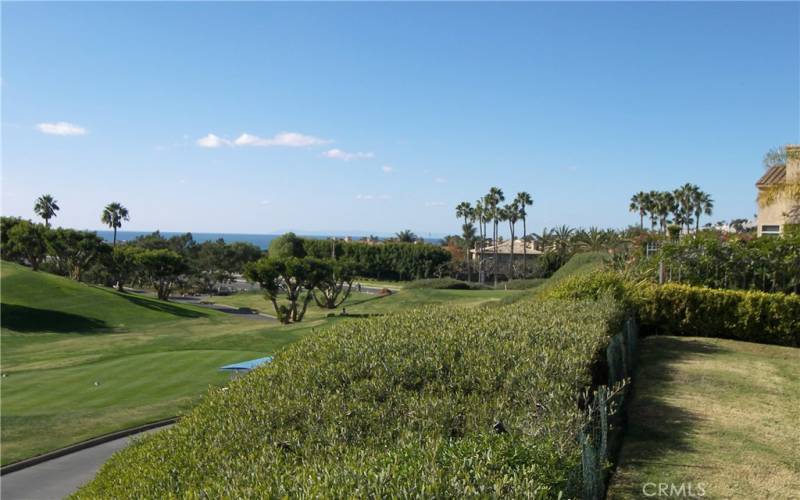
(479,212)
(524,199)
(664,205)
(511,214)
(464,210)
(46,207)
(684,208)
(639,203)
(493,200)
(703,204)
(113,215)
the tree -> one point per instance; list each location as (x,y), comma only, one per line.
(124,264)
(480,217)
(639,204)
(511,214)
(287,245)
(492,202)
(406,236)
(73,251)
(663,205)
(774,157)
(290,275)
(29,241)
(162,268)
(593,239)
(685,197)
(46,207)
(524,199)
(703,204)
(335,283)
(113,215)
(464,211)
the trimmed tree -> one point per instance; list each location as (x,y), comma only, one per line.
(162,268)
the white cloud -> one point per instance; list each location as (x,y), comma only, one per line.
(61,128)
(440,180)
(388,169)
(338,154)
(212,141)
(434,203)
(373,197)
(284,139)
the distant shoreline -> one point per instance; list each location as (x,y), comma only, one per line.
(260,240)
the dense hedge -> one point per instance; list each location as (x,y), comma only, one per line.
(676,309)
(439,402)
(400,261)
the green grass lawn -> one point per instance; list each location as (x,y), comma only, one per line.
(151,359)
(718,412)
(363,303)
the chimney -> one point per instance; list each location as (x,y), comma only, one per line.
(793,162)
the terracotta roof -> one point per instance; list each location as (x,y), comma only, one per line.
(774,175)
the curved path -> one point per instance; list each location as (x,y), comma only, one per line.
(62,476)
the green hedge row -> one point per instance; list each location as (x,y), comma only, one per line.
(676,309)
(440,402)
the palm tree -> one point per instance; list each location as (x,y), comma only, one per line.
(406,236)
(639,203)
(561,238)
(493,200)
(524,199)
(479,213)
(113,215)
(593,239)
(664,205)
(464,210)
(685,201)
(703,204)
(46,207)
(511,213)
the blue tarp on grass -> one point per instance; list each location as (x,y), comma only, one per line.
(247,365)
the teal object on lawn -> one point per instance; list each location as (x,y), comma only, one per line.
(246,366)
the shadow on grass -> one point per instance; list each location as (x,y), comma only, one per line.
(162,306)
(30,319)
(656,428)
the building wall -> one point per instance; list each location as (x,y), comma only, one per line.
(775,213)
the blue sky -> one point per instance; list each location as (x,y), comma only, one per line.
(380,117)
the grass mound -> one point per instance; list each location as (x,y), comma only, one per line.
(437,402)
(43,302)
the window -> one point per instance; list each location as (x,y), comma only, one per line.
(770,229)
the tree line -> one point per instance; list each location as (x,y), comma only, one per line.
(683,207)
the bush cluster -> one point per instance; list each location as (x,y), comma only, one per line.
(678,309)
(387,260)
(437,402)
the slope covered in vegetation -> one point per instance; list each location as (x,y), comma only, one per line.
(434,402)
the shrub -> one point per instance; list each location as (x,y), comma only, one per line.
(444,284)
(438,402)
(675,309)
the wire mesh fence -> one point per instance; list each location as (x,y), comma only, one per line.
(601,437)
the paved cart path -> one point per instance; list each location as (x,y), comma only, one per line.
(61,476)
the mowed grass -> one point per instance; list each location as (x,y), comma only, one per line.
(150,359)
(718,413)
(371,304)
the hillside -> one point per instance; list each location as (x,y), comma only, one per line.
(79,360)
(43,302)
